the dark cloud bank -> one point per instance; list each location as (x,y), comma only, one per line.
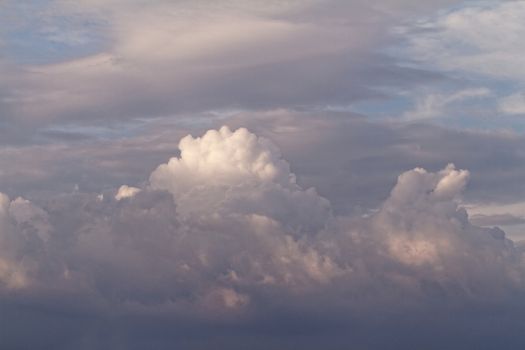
(222,248)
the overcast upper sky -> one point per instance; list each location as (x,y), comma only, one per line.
(310,174)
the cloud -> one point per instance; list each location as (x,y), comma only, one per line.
(513,104)
(207,56)
(483,39)
(224,234)
(354,162)
(425,226)
(497,220)
(126,191)
(351,161)
(434,105)
(471,43)
(238,172)
(24,231)
(9,274)
(422,234)
(297,233)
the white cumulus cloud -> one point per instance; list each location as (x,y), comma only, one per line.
(228,172)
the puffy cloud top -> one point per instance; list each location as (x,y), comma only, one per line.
(126,191)
(237,172)
(222,158)
(419,185)
(423,227)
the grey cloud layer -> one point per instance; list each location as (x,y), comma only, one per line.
(170,58)
(223,236)
(350,160)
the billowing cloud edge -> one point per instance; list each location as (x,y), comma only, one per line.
(224,228)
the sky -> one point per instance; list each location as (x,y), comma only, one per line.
(313,174)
